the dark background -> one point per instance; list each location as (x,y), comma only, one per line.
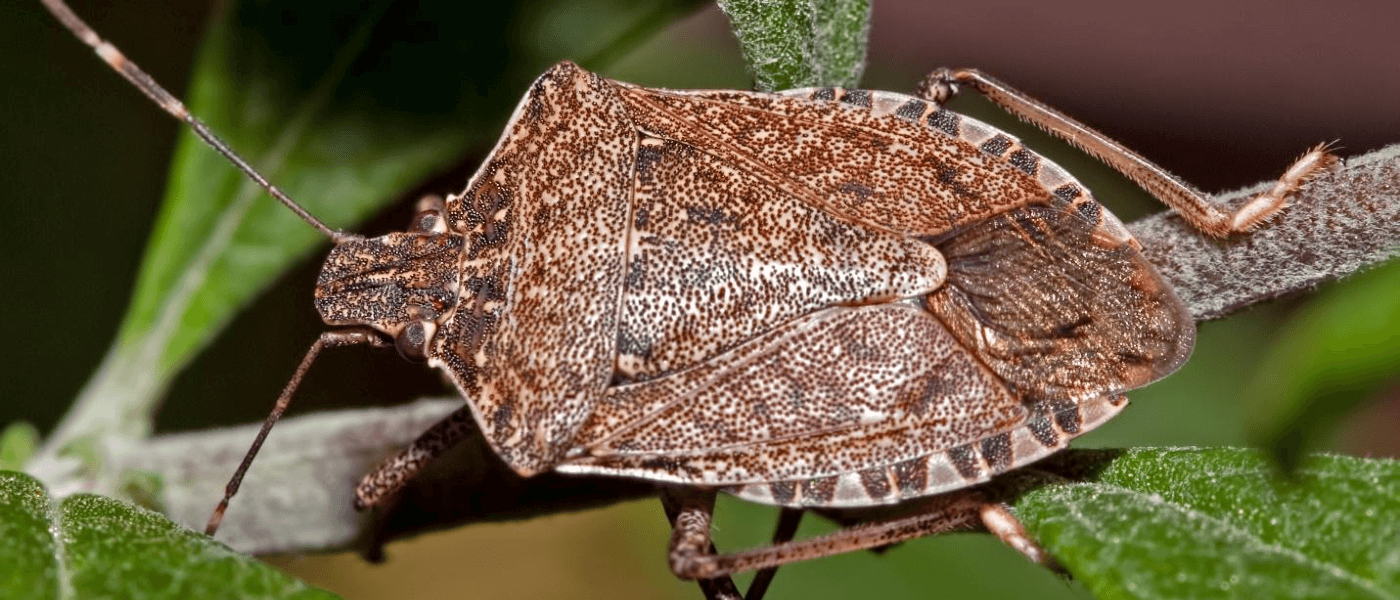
(1222,93)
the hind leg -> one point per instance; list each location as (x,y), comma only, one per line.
(1185,199)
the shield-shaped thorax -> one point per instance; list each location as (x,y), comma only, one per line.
(619,235)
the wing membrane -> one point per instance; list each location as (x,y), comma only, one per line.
(1060,312)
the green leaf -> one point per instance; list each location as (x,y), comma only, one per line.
(1331,357)
(17,444)
(94,547)
(1217,523)
(801,43)
(345,106)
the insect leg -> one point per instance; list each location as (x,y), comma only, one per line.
(690,512)
(998,520)
(393,474)
(788,520)
(942,84)
(329,339)
(692,557)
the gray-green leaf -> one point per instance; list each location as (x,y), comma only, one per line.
(801,43)
(1218,523)
(94,547)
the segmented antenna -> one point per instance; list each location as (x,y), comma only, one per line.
(172,105)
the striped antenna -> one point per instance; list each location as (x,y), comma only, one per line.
(172,105)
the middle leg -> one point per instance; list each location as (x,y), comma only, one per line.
(692,555)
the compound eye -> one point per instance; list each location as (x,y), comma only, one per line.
(412,342)
(428,221)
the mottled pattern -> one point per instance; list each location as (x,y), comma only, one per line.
(1059,313)
(817,298)
(727,429)
(719,253)
(532,343)
(940,472)
(390,281)
(867,163)
(838,391)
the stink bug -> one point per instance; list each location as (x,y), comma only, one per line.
(821,298)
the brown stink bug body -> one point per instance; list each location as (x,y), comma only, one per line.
(821,298)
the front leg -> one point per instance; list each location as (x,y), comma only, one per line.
(394,473)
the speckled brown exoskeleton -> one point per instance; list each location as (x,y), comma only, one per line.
(820,298)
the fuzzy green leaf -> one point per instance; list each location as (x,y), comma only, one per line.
(801,43)
(94,547)
(1218,523)
(1325,362)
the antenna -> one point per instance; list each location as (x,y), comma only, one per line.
(172,105)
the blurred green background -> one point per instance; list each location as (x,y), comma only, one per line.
(1219,93)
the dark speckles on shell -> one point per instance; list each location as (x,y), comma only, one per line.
(856,98)
(1092,212)
(911,110)
(541,338)
(927,398)
(857,189)
(946,121)
(997,452)
(489,213)
(964,459)
(534,107)
(1068,419)
(636,271)
(708,215)
(1043,431)
(486,288)
(647,157)
(390,280)
(825,93)
(1025,160)
(819,490)
(501,417)
(876,482)
(783,491)
(998,145)
(912,476)
(1068,192)
(630,343)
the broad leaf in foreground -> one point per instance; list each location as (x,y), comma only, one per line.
(95,547)
(1219,523)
